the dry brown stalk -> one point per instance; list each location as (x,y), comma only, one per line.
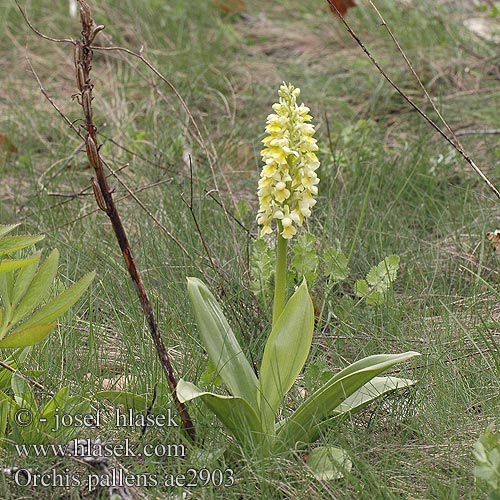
(83,65)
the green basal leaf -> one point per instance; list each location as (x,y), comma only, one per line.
(61,303)
(8,265)
(285,353)
(221,344)
(24,337)
(372,390)
(336,267)
(128,399)
(235,414)
(302,425)
(11,244)
(39,287)
(328,462)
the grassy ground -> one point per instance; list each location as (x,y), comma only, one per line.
(389,185)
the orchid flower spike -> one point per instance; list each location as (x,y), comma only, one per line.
(288,181)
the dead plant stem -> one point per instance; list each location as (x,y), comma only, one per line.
(104,198)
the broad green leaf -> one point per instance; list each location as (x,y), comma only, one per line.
(23,279)
(302,425)
(61,303)
(24,337)
(13,264)
(285,353)
(128,399)
(7,229)
(235,413)
(11,244)
(328,462)
(221,344)
(372,390)
(39,287)
(336,265)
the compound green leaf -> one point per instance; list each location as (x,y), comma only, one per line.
(26,336)
(62,302)
(11,244)
(39,287)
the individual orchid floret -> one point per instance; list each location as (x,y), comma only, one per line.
(288,181)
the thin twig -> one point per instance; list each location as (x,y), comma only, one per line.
(429,120)
(51,101)
(479,132)
(39,33)
(195,220)
(33,382)
(146,209)
(414,73)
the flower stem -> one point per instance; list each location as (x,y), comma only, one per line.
(280,276)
